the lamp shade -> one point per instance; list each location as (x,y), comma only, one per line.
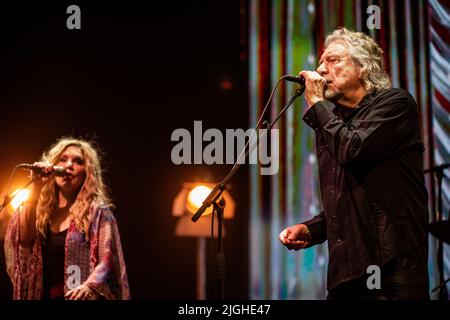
(187,202)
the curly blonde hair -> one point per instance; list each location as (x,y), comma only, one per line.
(93,190)
(366,53)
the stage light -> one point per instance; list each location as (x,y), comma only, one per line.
(19,196)
(187,202)
(196,197)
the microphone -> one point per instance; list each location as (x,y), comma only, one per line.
(57,170)
(298,79)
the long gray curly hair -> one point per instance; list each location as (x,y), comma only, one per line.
(366,53)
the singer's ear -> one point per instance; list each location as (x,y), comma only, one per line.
(362,72)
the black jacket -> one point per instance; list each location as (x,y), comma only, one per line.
(371,171)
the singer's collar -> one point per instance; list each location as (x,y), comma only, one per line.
(347,113)
(366,100)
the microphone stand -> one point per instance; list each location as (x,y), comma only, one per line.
(7,199)
(439,172)
(219,206)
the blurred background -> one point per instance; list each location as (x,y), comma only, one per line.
(134,73)
(287,36)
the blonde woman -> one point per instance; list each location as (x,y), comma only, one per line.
(64,242)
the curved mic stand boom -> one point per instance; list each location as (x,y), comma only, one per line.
(214,198)
(7,198)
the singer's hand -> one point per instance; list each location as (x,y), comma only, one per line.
(315,87)
(295,237)
(41,179)
(82,292)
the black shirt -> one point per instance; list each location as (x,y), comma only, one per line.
(370,169)
(53,254)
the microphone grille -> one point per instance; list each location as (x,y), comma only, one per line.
(59,171)
(298,79)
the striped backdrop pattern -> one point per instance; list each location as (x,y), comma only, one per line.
(285,37)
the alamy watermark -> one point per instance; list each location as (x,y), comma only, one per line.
(374,280)
(74,20)
(73,276)
(374,19)
(227,148)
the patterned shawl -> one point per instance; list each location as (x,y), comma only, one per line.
(98,259)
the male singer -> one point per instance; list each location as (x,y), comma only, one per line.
(370,160)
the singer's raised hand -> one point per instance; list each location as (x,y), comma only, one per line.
(315,87)
(27,217)
(41,179)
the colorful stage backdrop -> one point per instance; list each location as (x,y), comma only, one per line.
(286,36)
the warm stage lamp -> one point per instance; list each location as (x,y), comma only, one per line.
(187,202)
(19,196)
(196,197)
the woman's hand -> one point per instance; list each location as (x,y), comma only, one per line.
(27,218)
(82,292)
(41,179)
